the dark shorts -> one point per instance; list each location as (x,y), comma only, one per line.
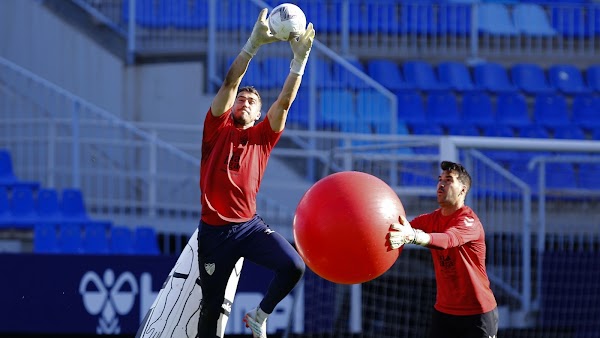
(475,326)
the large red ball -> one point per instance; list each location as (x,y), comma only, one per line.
(341,227)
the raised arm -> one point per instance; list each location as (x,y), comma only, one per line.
(278,111)
(226,95)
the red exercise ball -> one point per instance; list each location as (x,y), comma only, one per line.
(341,226)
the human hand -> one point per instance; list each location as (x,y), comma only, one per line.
(301,48)
(260,34)
(401,233)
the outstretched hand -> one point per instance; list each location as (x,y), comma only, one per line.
(261,34)
(301,47)
(401,233)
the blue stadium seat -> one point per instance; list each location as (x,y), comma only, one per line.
(190,14)
(322,71)
(456,75)
(72,205)
(298,116)
(511,110)
(417,17)
(560,176)
(477,109)
(569,21)
(47,206)
(148,13)
(442,108)
(427,129)
(410,107)
(337,109)
(464,130)
(530,78)
(518,167)
(419,174)
(550,110)
(569,132)
(22,207)
(586,111)
(244,12)
(371,17)
(70,238)
(593,77)
(531,19)
(45,238)
(7,175)
(387,73)
(256,77)
(422,76)
(95,237)
(533,131)
(273,69)
(495,19)
(588,175)
(121,240)
(344,78)
(498,130)
(493,77)
(596,134)
(454,18)
(145,241)
(6,219)
(373,108)
(567,79)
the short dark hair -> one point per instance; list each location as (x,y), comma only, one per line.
(252,90)
(463,174)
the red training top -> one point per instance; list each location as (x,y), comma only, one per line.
(458,251)
(232,166)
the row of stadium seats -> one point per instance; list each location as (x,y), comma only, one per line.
(534,18)
(492,77)
(94,238)
(60,221)
(348,110)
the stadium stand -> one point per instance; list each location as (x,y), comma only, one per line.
(477,109)
(568,79)
(512,110)
(495,19)
(593,77)
(388,73)
(7,175)
(456,75)
(531,19)
(22,207)
(493,77)
(531,79)
(422,76)
(410,107)
(585,111)
(45,238)
(442,108)
(122,240)
(145,241)
(550,110)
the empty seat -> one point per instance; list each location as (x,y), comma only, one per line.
(567,79)
(72,205)
(531,19)
(495,19)
(121,240)
(95,237)
(586,111)
(322,71)
(533,131)
(419,174)
(511,110)
(442,108)
(569,21)
(70,238)
(569,132)
(456,75)
(274,70)
(299,113)
(477,109)
(593,77)
(6,219)
(343,77)
(560,176)
(422,76)
(388,74)
(463,130)
(22,207)
(550,110)
(145,241)
(498,131)
(530,78)
(7,175)
(47,206)
(417,17)
(427,129)
(45,238)
(588,175)
(374,110)
(410,107)
(455,18)
(493,77)
(337,109)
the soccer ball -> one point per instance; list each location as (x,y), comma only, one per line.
(287,21)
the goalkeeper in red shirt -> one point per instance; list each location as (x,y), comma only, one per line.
(235,151)
(465,305)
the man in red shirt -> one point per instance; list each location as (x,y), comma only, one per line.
(465,305)
(235,152)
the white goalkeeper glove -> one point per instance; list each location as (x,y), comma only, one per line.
(403,233)
(261,34)
(301,48)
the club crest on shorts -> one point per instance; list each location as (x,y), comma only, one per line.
(209,267)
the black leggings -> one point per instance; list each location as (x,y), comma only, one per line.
(476,326)
(256,242)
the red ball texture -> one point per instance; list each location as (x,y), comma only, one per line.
(341,227)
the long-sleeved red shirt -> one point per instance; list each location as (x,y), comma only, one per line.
(458,250)
(232,167)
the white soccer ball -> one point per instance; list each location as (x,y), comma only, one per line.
(287,21)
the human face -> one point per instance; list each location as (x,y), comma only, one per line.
(450,191)
(246,109)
